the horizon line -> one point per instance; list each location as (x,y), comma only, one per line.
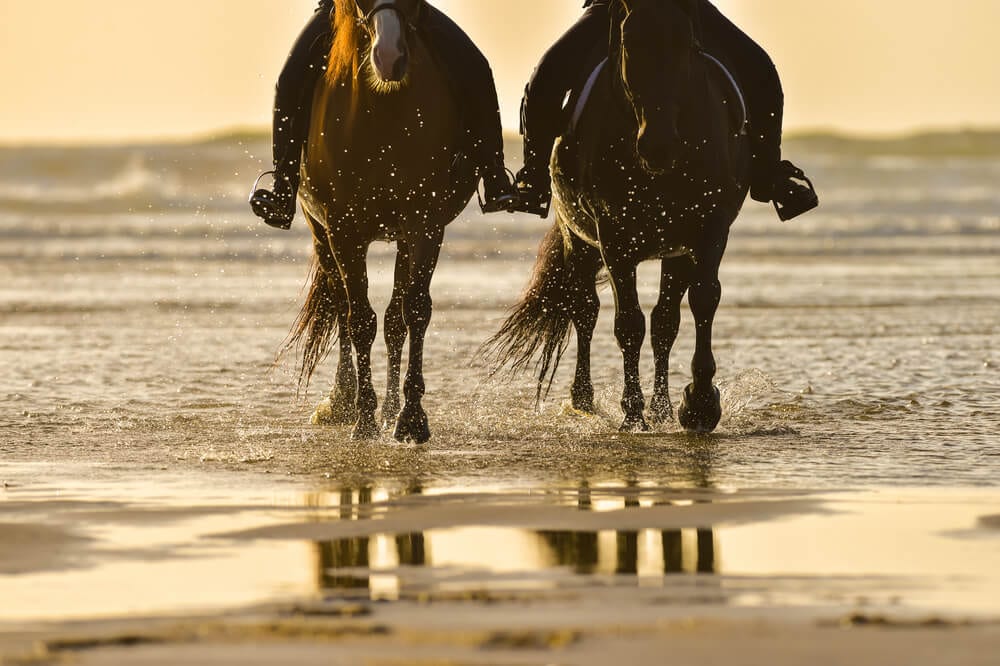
(263,131)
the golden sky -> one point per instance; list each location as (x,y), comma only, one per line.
(112,69)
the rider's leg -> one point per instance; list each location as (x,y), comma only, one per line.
(541,109)
(292,109)
(472,76)
(771,178)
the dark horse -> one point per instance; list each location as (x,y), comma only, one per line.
(380,165)
(656,167)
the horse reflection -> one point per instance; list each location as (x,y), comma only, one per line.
(580,551)
(347,566)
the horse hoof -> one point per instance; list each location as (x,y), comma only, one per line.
(366,429)
(634,424)
(412,426)
(335,411)
(661,411)
(700,413)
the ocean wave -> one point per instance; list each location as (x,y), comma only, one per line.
(942,174)
(125,179)
(935,144)
(134,182)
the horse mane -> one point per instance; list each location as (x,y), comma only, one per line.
(344,52)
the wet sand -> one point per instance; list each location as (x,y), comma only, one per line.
(99,568)
(442,633)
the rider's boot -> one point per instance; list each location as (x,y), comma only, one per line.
(277,207)
(534,182)
(498,192)
(534,190)
(788,188)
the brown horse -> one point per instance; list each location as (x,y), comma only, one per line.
(657,168)
(381,164)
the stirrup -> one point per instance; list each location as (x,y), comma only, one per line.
(799,200)
(503,202)
(265,205)
(532,202)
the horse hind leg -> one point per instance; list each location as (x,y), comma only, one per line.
(341,407)
(395,337)
(675,276)
(585,307)
(630,331)
(701,409)
(330,302)
(363,326)
(424,246)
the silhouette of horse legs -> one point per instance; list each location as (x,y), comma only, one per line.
(395,336)
(666,320)
(424,247)
(584,309)
(343,394)
(363,326)
(701,409)
(630,330)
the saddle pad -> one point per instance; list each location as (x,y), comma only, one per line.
(736,87)
(588,88)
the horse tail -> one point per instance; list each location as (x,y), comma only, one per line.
(537,330)
(315,330)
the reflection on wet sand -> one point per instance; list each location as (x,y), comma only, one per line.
(339,562)
(386,566)
(178,547)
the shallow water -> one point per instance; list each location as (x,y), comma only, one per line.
(141,307)
(834,371)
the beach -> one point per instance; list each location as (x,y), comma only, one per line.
(164,497)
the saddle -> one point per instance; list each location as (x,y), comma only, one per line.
(578,102)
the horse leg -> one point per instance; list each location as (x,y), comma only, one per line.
(395,336)
(343,395)
(585,309)
(701,408)
(424,246)
(584,321)
(339,408)
(363,325)
(630,330)
(666,320)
